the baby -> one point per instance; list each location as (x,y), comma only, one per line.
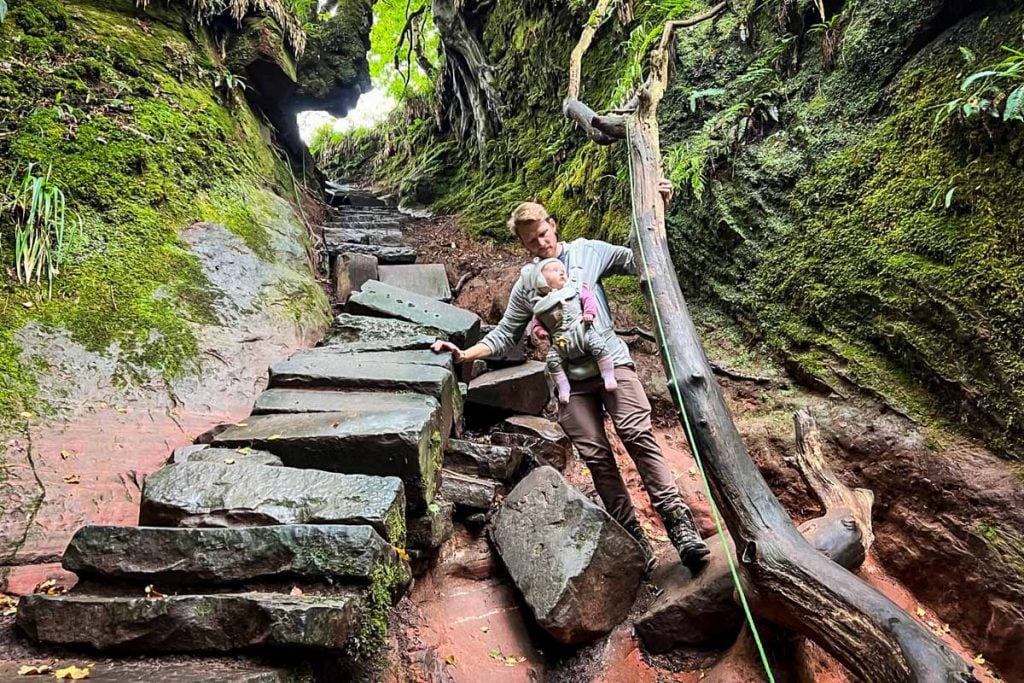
(567,317)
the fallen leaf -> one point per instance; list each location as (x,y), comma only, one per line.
(34,670)
(7,600)
(241,424)
(273,436)
(980,659)
(65,455)
(450,660)
(295,592)
(152,592)
(485,629)
(945,628)
(72,672)
(512,661)
(245,450)
(25,413)
(9,611)
(920,611)
(229,461)
(495,654)
(334,425)
(72,479)
(44,586)
(402,553)
(586,470)
(124,411)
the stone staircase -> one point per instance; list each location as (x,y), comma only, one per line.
(291,532)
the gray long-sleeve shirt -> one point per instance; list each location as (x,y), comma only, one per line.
(594,259)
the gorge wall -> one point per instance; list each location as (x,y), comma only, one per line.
(192,267)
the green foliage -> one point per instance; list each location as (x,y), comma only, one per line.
(996,91)
(229,82)
(43,228)
(400,28)
(3,10)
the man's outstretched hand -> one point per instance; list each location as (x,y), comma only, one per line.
(441,346)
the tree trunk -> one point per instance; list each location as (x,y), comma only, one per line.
(788,581)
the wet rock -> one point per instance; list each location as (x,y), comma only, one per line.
(350,271)
(428,279)
(547,439)
(390,437)
(175,556)
(364,333)
(483,460)
(192,623)
(384,254)
(517,389)
(431,529)
(578,570)
(202,494)
(133,670)
(691,610)
(365,233)
(377,298)
(469,492)
(226,456)
(344,195)
(468,555)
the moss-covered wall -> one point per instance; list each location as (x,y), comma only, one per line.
(813,184)
(121,106)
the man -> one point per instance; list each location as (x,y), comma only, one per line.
(582,416)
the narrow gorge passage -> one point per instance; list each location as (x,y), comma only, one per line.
(228,451)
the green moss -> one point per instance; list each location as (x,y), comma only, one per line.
(395,525)
(129,122)
(373,631)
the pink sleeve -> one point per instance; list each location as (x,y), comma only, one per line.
(588,300)
(534,324)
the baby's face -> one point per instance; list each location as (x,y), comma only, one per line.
(554,275)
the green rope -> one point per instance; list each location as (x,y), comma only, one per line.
(689,431)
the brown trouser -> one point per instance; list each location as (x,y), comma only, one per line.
(630,412)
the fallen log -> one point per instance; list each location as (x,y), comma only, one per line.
(843,533)
(787,581)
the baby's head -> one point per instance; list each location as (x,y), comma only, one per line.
(552,272)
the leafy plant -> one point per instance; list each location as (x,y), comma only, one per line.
(830,31)
(996,92)
(228,82)
(43,226)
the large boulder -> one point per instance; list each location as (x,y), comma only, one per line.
(391,437)
(193,623)
(192,557)
(377,298)
(546,439)
(483,460)
(517,389)
(202,494)
(577,569)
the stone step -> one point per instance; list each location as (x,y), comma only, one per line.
(373,371)
(470,492)
(577,569)
(365,333)
(377,298)
(329,355)
(544,438)
(403,441)
(204,494)
(227,456)
(279,400)
(361,236)
(223,669)
(169,556)
(382,224)
(428,279)
(517,389)
(194,623)
(349,272)
(483,460)
(431,529)
(384,254)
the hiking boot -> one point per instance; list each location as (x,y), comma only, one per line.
(637,532)
(683,533)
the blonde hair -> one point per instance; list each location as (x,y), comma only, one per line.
(524,214)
